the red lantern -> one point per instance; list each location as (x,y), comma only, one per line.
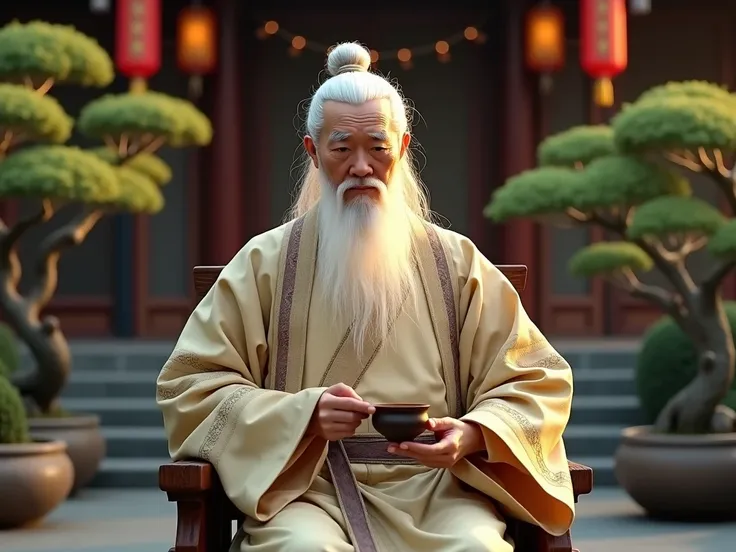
(138,40)
(545,39)
(196,45)
(603,44)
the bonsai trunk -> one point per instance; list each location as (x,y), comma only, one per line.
(42,385)
(695,409)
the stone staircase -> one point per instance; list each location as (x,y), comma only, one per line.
(116,380)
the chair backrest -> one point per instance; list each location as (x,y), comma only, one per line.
(206,276)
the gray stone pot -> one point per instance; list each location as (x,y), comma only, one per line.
(679,477)
(35,478)
(86,446)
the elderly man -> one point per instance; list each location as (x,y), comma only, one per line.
(360,300)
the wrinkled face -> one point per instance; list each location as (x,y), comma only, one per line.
(357,142)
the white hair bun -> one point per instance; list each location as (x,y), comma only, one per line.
(348,57)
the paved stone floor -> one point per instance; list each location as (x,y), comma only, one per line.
(142,521)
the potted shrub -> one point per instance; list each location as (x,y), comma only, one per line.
(9,357)
(35,476)
(79,185)
(633,179)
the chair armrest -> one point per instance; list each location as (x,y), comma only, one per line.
(187,476)
(204,513)
(582,479)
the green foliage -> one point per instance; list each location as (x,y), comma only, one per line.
(667,362)
(174,120)
(13,421)
(625,180)
(580,144)
(58,172)
(9,356)
(723,242)
(689,89)
(138,192)
(532,193)
(40,51)
(669,215)
(606,258)
(149,164)
(676,123)
(32,115)
(24,53)
(152,166)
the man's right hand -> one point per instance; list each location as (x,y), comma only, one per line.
(339,412)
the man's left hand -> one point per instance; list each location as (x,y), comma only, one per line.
(455,440)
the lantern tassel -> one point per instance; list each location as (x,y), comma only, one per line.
(138,85)
(195,87)
(546,83)
(603,92)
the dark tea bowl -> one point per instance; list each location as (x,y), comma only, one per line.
(400,422)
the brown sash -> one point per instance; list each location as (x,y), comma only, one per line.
(288,340)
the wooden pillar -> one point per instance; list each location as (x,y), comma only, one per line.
(223,190)
(521,237)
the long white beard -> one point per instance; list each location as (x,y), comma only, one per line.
(365,256)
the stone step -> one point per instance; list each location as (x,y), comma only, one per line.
(582,359)
(117,411)
(150,442)
(141,411)
(604,381)
(141,356)
(143,472)
(603,475)
(95,383)
(592,440)
(121,384)
(135,442)
(617,410)
(127,473)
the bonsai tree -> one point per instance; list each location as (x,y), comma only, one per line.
(13,421)
(124,175)
(632,178)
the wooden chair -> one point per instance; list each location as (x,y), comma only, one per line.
(205,515)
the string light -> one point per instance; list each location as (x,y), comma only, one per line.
(443,51)
(471,33)
(405,56)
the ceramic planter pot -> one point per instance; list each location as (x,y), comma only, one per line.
(86,446)
(35,478)
(683,477)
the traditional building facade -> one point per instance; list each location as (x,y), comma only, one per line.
(479,119)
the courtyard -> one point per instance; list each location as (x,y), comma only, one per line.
(101,520)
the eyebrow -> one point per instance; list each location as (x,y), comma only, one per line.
(341,136)
(381,136)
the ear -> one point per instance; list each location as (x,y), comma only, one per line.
(311,148)
(405,140)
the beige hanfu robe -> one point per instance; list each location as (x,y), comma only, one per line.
(259,350)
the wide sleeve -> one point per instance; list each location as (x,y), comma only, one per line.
(519,391)
(215,408)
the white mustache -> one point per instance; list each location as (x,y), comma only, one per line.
(352,183)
